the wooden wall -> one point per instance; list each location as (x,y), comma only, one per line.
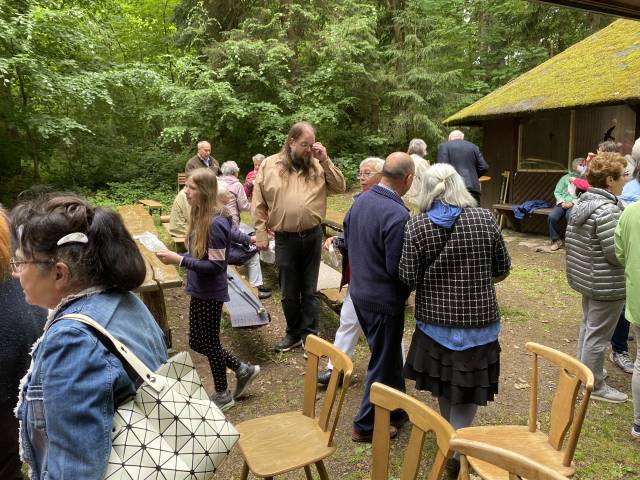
(500,150)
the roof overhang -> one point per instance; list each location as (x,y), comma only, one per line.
(621,8)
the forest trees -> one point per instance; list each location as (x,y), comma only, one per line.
(95,92)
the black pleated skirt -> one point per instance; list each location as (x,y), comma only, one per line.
(467,376)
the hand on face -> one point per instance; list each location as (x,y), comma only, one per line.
(319,151)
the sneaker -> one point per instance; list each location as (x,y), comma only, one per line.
(556,245)
(263,292)
(223,400)
(635,431)
(287,343)
(609,394)
(622,361)
(324,377)
(245,375)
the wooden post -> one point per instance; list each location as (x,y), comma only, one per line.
(154,300)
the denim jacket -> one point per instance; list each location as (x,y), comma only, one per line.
(68,397)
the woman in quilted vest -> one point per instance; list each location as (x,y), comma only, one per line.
(592,266)
(209,234)
(72,258)
(453,254)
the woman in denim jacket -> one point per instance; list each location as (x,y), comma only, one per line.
(72,258)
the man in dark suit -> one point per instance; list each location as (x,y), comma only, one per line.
(203,159)
(466,158)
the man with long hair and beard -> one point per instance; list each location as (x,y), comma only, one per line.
(290,199)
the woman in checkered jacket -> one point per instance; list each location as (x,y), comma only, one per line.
(453,254)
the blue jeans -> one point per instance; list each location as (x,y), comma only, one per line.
(557,214)
(620,336)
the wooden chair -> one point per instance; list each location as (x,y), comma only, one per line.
(548,449)
(181,180)
(423,420)
(518,466)
(280,443)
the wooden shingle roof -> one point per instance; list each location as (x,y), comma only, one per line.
(604,68)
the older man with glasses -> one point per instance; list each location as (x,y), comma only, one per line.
(349,330)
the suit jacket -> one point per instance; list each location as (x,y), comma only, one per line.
(466,158)
(195,162)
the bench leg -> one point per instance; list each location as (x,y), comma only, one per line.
(154,301)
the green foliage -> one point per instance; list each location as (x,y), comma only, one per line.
(122,193)
(108,93)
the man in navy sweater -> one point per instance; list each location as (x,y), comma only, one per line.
(374,232)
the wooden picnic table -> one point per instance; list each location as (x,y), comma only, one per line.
(159,276)
(151,205)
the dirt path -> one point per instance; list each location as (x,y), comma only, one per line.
(536,304)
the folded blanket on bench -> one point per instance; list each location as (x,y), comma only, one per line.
(519,211)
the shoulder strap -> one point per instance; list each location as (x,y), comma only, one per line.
(122,350)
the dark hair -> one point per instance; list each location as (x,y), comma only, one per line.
(110,259)
(295,132)
(603,165)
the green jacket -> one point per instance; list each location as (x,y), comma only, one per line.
(561,192)
(627,241)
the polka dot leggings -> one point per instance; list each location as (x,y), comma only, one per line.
(204,338)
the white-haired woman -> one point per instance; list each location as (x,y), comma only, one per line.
(453,254)
(237,198)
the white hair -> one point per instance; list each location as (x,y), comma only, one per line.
(222,189)
(230,168)
(417,146)
(258,157)
(456,135)
(635,151)
(376,162)
(442,182)
(202,143)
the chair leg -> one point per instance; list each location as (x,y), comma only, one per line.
(245,471)
(321,470)
(307,472)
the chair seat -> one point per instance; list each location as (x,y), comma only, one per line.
(298,440)
(517,439)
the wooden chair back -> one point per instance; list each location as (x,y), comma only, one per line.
(573,373)
(336,389)
(423,419)
(517,465)
(182,179)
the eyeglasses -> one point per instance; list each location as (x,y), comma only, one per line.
(305,146)
(18,265)
(366,174)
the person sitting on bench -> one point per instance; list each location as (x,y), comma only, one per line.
(565,194)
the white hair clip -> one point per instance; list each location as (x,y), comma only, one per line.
(75,237)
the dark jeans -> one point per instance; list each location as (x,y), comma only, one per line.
(10,463)
(475,195)
(298,261)
(557,214)
(619,340)
(384,336)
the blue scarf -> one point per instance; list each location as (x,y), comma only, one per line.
(443,214)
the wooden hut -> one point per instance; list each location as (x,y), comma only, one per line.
(562,109)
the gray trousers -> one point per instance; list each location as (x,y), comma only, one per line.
(598,323)
(635,380)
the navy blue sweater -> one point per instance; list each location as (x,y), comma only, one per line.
(374,233)
(207,277)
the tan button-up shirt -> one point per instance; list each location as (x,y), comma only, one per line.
(289,202)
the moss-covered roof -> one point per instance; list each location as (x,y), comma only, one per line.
(604,68)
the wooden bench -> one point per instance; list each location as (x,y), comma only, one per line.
(151,205)
(529,186)
(333,220)
(159,276)
(181,180)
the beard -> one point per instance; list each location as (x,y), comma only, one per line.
(301,161)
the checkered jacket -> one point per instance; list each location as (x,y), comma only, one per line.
(453,278)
